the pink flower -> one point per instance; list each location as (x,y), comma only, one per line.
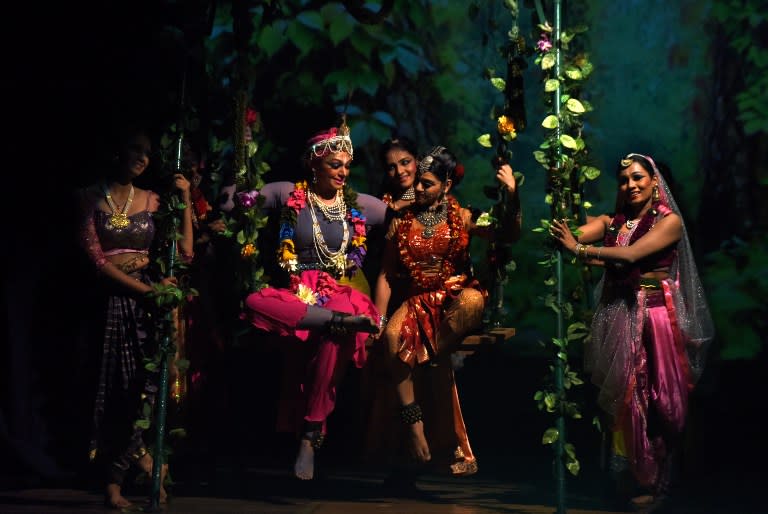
(544,44)
(297,200)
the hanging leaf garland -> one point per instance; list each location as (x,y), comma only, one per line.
(563,155)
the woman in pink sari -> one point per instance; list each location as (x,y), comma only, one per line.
(651,326)
(323,227)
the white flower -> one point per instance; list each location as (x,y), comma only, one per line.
(485,220)
(306,295)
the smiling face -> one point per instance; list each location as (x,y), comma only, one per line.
(430,190)
(331,172)
(401,168)
(134,156)
(636,186)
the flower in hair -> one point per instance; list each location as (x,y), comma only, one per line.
(458,173)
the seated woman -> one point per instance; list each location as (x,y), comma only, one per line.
(322,245)
(429,245)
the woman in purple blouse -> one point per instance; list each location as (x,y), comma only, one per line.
(323,225)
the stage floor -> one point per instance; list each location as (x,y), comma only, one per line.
(270,491)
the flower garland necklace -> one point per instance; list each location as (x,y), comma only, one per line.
(346,203)
(456,251)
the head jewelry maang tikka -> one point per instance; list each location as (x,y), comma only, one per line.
(426,163)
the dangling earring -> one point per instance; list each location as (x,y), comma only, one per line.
(314,176)
(656,196)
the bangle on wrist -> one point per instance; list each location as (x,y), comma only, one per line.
(383,320)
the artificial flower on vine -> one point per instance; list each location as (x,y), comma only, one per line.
(485,220)
(506,128)
(248,250)
(247,199)
(544,45)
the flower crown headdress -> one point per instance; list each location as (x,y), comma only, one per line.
(335,140)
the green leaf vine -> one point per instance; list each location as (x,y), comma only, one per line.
(509,118)
(564,157)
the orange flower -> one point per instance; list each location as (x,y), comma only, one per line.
(248,250)
(506,127)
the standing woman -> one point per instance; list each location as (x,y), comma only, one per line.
(429,244)
(117,232)
(323,226)
(651,327)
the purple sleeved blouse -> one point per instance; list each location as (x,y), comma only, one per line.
(276,194)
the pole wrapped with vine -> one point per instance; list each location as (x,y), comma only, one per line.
(510,119)
(564,156)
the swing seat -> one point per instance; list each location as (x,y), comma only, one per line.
(473,342)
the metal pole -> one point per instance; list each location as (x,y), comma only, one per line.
(167,325)
(560,421)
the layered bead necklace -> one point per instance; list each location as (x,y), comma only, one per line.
(432,217)
(119,217)
(336,212)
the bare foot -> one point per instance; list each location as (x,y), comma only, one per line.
(419,446)
(115,499)
(145,463)
(643,500)
(304,468)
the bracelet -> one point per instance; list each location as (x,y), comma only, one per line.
(411,413)
(599,249)
(383,320)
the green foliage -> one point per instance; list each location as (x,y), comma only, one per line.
(736,280)
(744,24)
(564,156)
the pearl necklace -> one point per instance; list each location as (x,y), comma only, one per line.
(119,217)
(337,211)
(337,261)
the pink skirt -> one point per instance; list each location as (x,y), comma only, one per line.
(279,310)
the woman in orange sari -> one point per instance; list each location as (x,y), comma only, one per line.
(429,245)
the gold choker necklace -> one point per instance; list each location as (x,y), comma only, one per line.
(118,218)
